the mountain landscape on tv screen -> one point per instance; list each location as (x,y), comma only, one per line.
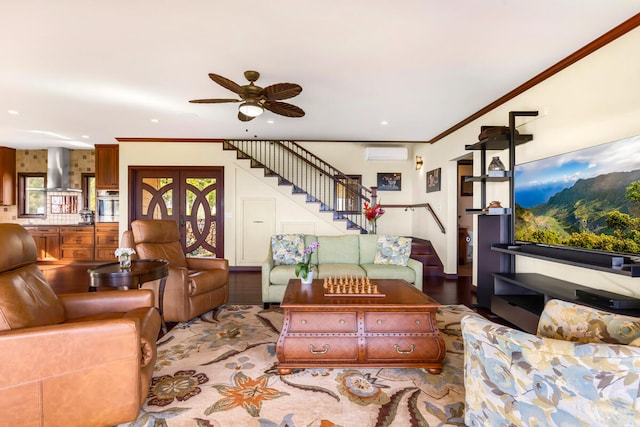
(601,213)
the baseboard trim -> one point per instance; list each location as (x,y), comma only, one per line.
(245,268)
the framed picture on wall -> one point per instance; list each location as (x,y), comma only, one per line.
(389,181)
(433,180)
(466,187)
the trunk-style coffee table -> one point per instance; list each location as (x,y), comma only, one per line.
(395,330)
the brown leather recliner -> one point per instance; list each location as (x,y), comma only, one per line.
(83,359)
(195,285)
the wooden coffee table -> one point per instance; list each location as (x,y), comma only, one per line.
(397,330)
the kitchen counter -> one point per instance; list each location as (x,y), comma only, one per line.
(57,225)
(75,242)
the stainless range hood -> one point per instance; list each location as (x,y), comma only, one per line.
(58,170)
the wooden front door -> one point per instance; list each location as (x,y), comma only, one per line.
(191,196)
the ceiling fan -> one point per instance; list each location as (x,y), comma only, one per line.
(256,99)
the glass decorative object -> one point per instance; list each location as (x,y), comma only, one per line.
(496,164)
(371,227)
(125,261)
(124,257)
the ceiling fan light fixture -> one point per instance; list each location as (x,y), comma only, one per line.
(251,108)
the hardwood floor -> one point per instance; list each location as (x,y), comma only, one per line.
(245,286)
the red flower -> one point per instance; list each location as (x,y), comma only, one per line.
(372,213)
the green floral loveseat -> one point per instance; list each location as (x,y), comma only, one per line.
(581,369)
(365,255)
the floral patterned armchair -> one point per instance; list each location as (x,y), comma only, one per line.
(582,368)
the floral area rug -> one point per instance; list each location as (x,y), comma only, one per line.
(221,370)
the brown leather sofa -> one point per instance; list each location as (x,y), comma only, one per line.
(195,285)
(83,359)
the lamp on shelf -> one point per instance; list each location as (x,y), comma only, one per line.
(251,108)
(419,162)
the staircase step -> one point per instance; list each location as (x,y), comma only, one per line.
(423,251)
(323,207)
(432,271)
(426,259)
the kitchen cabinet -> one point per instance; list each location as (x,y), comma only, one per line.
(77,243)
(107,163)
(106,241)
(47,242)
(7,176)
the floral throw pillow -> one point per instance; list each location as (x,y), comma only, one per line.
(393,250)
(287,249)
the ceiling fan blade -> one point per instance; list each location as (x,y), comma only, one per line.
(281,91)
(226,83)
(244,117)
(214,101)
(283,108)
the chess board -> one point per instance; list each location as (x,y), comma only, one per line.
(349,287)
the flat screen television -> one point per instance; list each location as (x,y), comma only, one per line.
(587,199)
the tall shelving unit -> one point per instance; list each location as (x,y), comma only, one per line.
(495,225)
(520,297)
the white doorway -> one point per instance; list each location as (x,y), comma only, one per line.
(465,220)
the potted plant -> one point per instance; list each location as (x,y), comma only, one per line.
(303,268)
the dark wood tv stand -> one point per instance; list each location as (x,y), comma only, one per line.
(519,298)
(610,263)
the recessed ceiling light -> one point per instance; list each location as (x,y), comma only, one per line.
(154,120)
(271,121)
(14,112)
(85,136)
(384,123)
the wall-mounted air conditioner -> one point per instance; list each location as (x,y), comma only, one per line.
(387,153)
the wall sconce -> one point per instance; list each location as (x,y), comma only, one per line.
(419,162)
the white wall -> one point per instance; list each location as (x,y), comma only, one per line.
(594,101)
(243,182)
(591,102)
(349,158)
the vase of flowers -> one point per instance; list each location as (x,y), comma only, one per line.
(303,268)
(372,213)
(124,257)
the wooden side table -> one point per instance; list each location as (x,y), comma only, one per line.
(142,270)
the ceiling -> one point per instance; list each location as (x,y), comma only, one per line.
(79,72)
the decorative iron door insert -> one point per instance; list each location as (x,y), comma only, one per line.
(192,196)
